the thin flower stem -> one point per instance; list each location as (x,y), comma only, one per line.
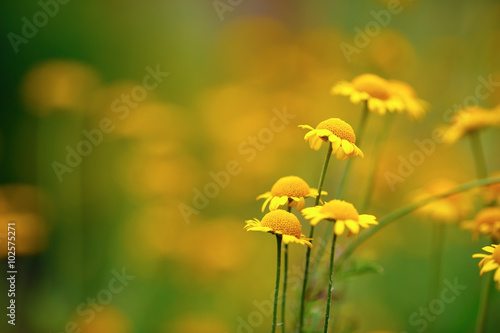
(285,281)
(360,131)
(276,289)
(378,150)
(330,285)
(311,234)
(484,302)
(478,153)
(398,213)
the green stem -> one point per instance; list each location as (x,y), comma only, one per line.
(276,289)
(478,153)
(330,284)
(360,130)
(484,301)
(311,234)
(285,281)
(379,147)
(398,213)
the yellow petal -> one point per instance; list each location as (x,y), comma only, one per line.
(339,228)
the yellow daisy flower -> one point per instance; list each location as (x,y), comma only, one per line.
(342,213)
(414,106)
(486,222)
(370,88)
(490,261)
(470,119)
(292,190)
(336,132)
(280,222)
(450,209)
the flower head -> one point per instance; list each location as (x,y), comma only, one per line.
(491,192)
(490,261)
(280,222)
(370,88)
(292,190)
(486,222)
(342,213)
(470,119)
(414,106)
(449,209)
(336,132)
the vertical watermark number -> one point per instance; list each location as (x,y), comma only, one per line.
(11,271)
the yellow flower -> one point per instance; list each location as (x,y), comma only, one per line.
(449,209)
(470,119)
(373,89)
(414,106)
(292,190)
(280,222)
(491,192)
(486,222)
(338,133)
(342,213)
(490,261)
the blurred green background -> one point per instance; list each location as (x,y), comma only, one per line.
(229,64)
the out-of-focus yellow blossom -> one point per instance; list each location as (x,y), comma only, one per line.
(342,213)
(486,222)
(290,189)
(59,85)
(280,222)
(336,132)
(108,320)
(471,119)
(490,262)
(491,192)
(22,205)
(370,88)
(450,209)
(414,106)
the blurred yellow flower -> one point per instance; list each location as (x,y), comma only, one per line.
(343,213)
(338,133)
(370,88)
(490,261)
(486,222)
(414,106)
(107,320)
(470,119)
(197,323)
(280,222)
(59,85)
(449,209)
(290,189)
(491,192)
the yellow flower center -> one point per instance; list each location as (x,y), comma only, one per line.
(372,84)
(338,127)
(496,254)
(340,210)
(489,216)
(283,221)
(290,186)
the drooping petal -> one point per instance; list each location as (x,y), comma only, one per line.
(339,228)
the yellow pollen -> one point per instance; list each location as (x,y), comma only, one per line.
(290,186)
(488,216)
(338,127)
(280,220)
(372,84)
(340,210)
(496,254)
